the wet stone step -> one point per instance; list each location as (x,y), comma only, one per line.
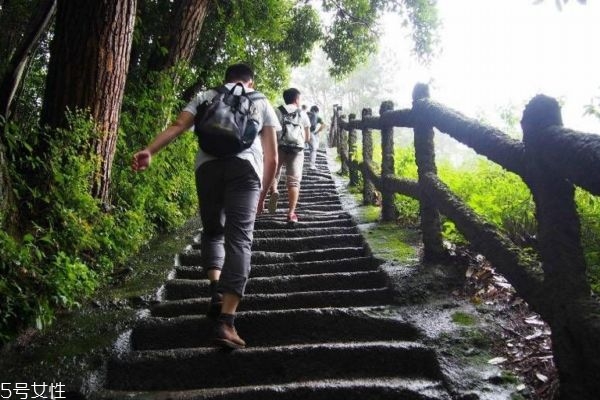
(286,327)
(281,301)
(288,242)
(332,389)
(293,268)
(304,200)
(278,233)
(291,244)
(192,257)
(178,289)
(196,368)
(266,257)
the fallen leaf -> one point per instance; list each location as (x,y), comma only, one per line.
(497,360)
(541,377)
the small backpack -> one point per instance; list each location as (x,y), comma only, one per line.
(228,123)
(291,137)
(313,121)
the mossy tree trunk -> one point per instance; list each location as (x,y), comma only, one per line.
(88,68)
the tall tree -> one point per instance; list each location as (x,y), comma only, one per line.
(14,70)
(10,80)
(88,68)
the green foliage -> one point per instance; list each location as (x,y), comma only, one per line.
(588,207)
(62,259)
(464,319)
(352,36)
(495,194)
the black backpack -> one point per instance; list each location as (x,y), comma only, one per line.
(228,123)
(291,137)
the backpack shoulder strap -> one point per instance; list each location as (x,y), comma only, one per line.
(255,95)
(284,112)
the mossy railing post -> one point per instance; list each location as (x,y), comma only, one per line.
(334,129)
(369,195)
(558,222)
(352,167)
(433,246)
(563,262)
(343,144)
(388,206)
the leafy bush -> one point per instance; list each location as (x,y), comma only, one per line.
(57,262)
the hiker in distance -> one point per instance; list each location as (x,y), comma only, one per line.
(316,126)
(233,173)
(291,139)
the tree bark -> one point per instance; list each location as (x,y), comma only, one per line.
(14,72)
(88,67)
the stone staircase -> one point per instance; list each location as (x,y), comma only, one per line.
(313,317)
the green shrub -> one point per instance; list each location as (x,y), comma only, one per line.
(59,261)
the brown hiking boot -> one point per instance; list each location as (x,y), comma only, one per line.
(227,336)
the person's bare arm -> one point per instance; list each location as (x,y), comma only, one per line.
(307,137)
(142,159)
(268,139)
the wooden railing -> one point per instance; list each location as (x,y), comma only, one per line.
(550,160)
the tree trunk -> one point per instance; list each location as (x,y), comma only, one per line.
(88,67)
(185,26)
(185,31)
(14,72)
(8,86)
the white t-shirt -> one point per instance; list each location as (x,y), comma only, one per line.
(290,108)
(254,154)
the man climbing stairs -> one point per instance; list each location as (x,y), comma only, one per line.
(313,317)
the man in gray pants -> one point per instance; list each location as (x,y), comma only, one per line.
(231,191)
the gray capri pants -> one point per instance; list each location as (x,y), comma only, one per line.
(228,191)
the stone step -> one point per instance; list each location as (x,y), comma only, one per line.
(179,289)
(192,257)
(389,388)
(327,231)
(265,257)
(293,268)
(197,368)
(272,221)
(287,243)
(295,244)
(281,301)
(275,328)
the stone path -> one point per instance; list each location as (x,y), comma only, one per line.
(312,319)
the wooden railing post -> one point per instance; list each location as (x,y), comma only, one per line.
(343,144)
(388,206)
(333,139)
(433,246)
(353,171)
(558,222)
(563,262)
(369,194)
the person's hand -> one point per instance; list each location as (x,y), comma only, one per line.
(141,160)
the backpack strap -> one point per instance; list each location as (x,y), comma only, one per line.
(284,112)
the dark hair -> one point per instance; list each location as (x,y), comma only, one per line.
(290,95)
(314,109)
(239,72)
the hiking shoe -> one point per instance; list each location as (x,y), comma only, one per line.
(273,202)
(226,336)
(292,218)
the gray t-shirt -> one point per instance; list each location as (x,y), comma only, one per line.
(254,154)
